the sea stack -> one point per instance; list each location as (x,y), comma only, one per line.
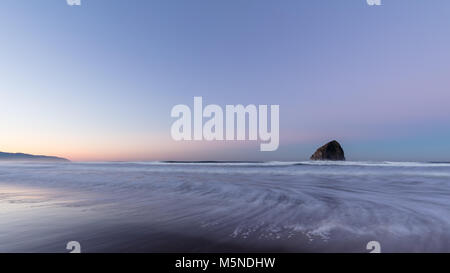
(330,151)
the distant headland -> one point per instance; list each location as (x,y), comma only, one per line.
(28,157)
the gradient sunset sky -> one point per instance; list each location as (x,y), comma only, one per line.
(98,81)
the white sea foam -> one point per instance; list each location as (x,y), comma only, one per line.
(335,206)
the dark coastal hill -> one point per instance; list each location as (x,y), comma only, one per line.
(28,157)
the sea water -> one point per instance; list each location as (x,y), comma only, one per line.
(225,206)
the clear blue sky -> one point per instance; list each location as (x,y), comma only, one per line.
(97,82)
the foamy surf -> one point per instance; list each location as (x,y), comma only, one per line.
(226,206)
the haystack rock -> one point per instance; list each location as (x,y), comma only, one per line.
(330,151)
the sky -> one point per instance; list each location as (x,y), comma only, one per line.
(97,82)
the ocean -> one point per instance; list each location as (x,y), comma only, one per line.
(200,207)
